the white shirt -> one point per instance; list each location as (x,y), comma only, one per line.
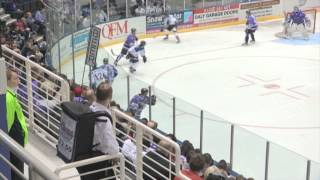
(103,133)
(170,20)
(129,150)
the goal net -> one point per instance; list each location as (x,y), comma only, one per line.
(299,31)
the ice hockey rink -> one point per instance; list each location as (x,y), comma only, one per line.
(271,88)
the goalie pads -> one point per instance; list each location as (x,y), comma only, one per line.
(153,99)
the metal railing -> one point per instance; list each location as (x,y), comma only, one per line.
(118,167)
(35,93)
(36,168)
(140,141)
(40,93)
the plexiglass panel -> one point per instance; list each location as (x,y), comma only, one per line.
(188,122)
(216,137)
(174,5)
(249,153)
(314,170)
(285,164)
(162,111)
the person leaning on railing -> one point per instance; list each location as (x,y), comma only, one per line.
(17,127)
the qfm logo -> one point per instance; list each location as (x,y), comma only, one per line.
(115,29)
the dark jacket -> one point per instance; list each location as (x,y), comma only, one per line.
(158,169)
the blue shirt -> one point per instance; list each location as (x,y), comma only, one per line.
(130,41)
(251,22)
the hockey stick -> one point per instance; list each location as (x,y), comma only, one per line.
(113,53)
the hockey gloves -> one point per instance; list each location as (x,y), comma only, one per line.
(144,58)
(153,99)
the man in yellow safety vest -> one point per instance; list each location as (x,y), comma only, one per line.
(15,119)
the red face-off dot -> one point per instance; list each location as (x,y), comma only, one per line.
(271,86)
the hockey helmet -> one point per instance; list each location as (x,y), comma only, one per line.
(295,9)
(144,91)
(105,60)
(133,30)
(142,43)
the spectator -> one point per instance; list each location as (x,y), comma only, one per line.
(196,166)
(17,128)
(208,161)
(151,161)
(104,138)
(89,96)
(240,177)
(185,147)
(214,177)
(220,170)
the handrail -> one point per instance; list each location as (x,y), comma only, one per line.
(65,84)
(92,161)
(38,166)
(119,114)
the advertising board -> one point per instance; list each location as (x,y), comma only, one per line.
(261,8)
(216,14)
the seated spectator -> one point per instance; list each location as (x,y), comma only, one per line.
(196,166)
(140,11)
(220,170)
(151,161)
(208,162)
(185,147)
(215,177)
(89,96)
(78,94)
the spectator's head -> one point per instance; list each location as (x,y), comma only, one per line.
(164,148)
(214,177)
(12,78)
(197,150)
(239,177)
(172,137)
(152,124)
(116,105)
(186,146)
(77,91)
(144,121)
(196,162)
(222,164)
(208,160)
(189,155)
(104,93)
(89,96)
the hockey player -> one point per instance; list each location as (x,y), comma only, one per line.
(251,27)
(139,102)
(130,42)
(298,20)
(104,72)
(134,53)
(171,24)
